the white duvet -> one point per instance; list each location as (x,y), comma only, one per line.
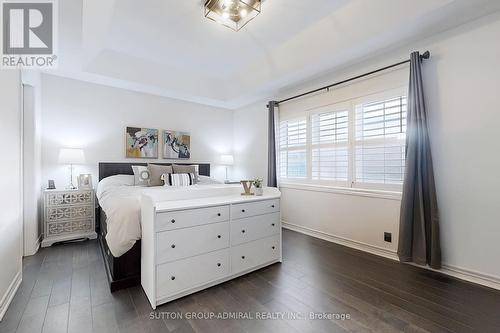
(120,201)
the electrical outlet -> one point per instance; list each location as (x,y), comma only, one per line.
(388,237)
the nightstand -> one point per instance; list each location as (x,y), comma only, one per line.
(68,215)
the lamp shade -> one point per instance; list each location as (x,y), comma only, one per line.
(226,160)
(71,156)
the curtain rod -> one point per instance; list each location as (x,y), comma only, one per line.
(425,55)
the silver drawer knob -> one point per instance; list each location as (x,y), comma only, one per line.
(173,221)
(242,210)
(218,264)
(273,224)
(243,231)
(219,236)
(272,206)
(218,214)
(242,257)
(172,278)
(273,247)
(173,246)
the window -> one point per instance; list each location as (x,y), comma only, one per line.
(330,146)
(360,143)
(380,141)
(293,139)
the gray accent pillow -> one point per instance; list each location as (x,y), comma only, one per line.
(155,172)
(141,175)
(186,169)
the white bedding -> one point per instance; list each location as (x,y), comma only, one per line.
(120,201)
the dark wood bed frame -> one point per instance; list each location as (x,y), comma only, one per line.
(125,271)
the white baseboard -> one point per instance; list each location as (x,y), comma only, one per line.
(457,272)
(9,294)
(341,240)
(34,247)
(470,276)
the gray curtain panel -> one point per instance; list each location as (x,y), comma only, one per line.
(272,178)
(419,240)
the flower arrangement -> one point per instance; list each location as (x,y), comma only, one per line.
(257,182)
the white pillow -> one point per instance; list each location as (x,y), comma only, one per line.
(116,180)
(205,180)
(197,172)
(141,175)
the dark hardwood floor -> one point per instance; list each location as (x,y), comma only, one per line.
(64,289)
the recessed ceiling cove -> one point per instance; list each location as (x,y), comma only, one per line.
(169,47)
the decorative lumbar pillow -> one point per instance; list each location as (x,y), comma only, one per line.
(178,179)
(141,175)
(194,169)
(155,172)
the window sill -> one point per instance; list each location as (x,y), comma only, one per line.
(381,194)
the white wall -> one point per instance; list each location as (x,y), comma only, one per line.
(10,183)
(461,85)
(463,81)
(250,142)
(94,117)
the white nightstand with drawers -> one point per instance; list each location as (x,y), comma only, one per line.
(68,215)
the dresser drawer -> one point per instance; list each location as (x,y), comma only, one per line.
(255,227)
(190,218)
(187,242)
(61,228)
(69,212)
(69,198)
(239,211)
(188,273)
(250,255)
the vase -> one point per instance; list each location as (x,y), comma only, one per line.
(259,191)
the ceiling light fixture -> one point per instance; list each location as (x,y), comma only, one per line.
(234,14)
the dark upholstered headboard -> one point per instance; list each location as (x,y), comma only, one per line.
(107,169)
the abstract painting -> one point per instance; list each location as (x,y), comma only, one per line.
(141,142)
(176,144)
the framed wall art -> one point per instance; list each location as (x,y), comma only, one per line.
(176,145)
(141,142)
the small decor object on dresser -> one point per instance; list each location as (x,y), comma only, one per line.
(257,182)
(176,144)
(141,142)
(52,185)
(85,182)
(247,185)
(68,215)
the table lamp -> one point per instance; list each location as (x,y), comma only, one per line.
(226,160)
(71,156)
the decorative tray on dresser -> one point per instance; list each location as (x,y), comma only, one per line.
(191,244)
(68,215)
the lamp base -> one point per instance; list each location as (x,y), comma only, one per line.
(71,186)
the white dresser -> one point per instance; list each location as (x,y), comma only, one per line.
(189,245)
(68,214)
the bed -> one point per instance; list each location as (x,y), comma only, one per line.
(124,271)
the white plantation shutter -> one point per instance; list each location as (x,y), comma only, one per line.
(355,143)
(330,146)
(380,142)
(293,157)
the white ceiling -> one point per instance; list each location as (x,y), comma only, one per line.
(168,48)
